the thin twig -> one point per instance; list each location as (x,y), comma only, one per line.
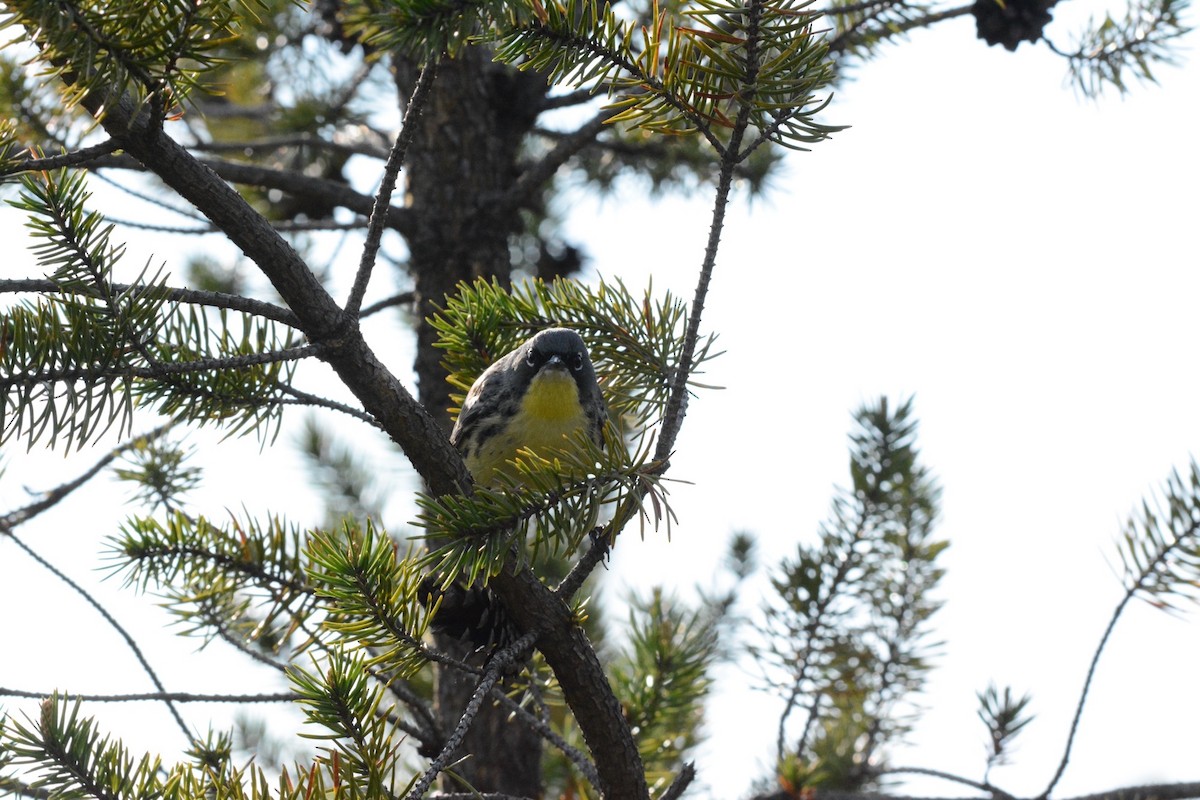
(56,495)
(982,786)
(289,140)
(302,398)
(536,176)
(677,401)
(155,200)
(847,39)
(72,159)
(283,226)
(383,199)
(404,298)
(1091,673)
(160,369)
(579,573)
(576,756)
(496,668)
(130,642)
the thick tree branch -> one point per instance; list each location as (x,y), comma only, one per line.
(581,675)
(319,316)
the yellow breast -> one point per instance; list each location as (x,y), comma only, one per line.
(549,414)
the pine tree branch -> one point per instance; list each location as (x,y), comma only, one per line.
(318,315)
(536,176)
(323,190)
(18,788)
(420,437)
(1136,586)
(681,783)
(297,140)
(983,786)
(157,370)
(281,225)
(302,398)
(583,568)
(574,98)
(852,36)
(476,796)
(730,155)
(581,676)
(404,298)
(1158,791)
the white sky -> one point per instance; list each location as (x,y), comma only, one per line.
(1021,260)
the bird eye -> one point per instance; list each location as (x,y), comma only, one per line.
(577,361)
(531,359)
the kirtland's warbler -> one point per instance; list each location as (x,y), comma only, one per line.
(539,396)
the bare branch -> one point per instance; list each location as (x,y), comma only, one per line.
(56,495)
(76,158)
(130,642)
(499,664)
(576,757)
(382,204)
(229,302)
(174,697)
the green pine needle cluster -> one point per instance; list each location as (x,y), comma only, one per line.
(1159,546)
(663,679)
(846,636)
(78,360)
(423,28)
(155,53)
(1114,49)
(1005,716)
(671,68)
(245,581)
(369,597)
(161,472)
(340,698)
(70,757)
(685,67)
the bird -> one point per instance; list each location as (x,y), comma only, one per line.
(541,395)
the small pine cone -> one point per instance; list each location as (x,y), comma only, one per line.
(1010,22)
